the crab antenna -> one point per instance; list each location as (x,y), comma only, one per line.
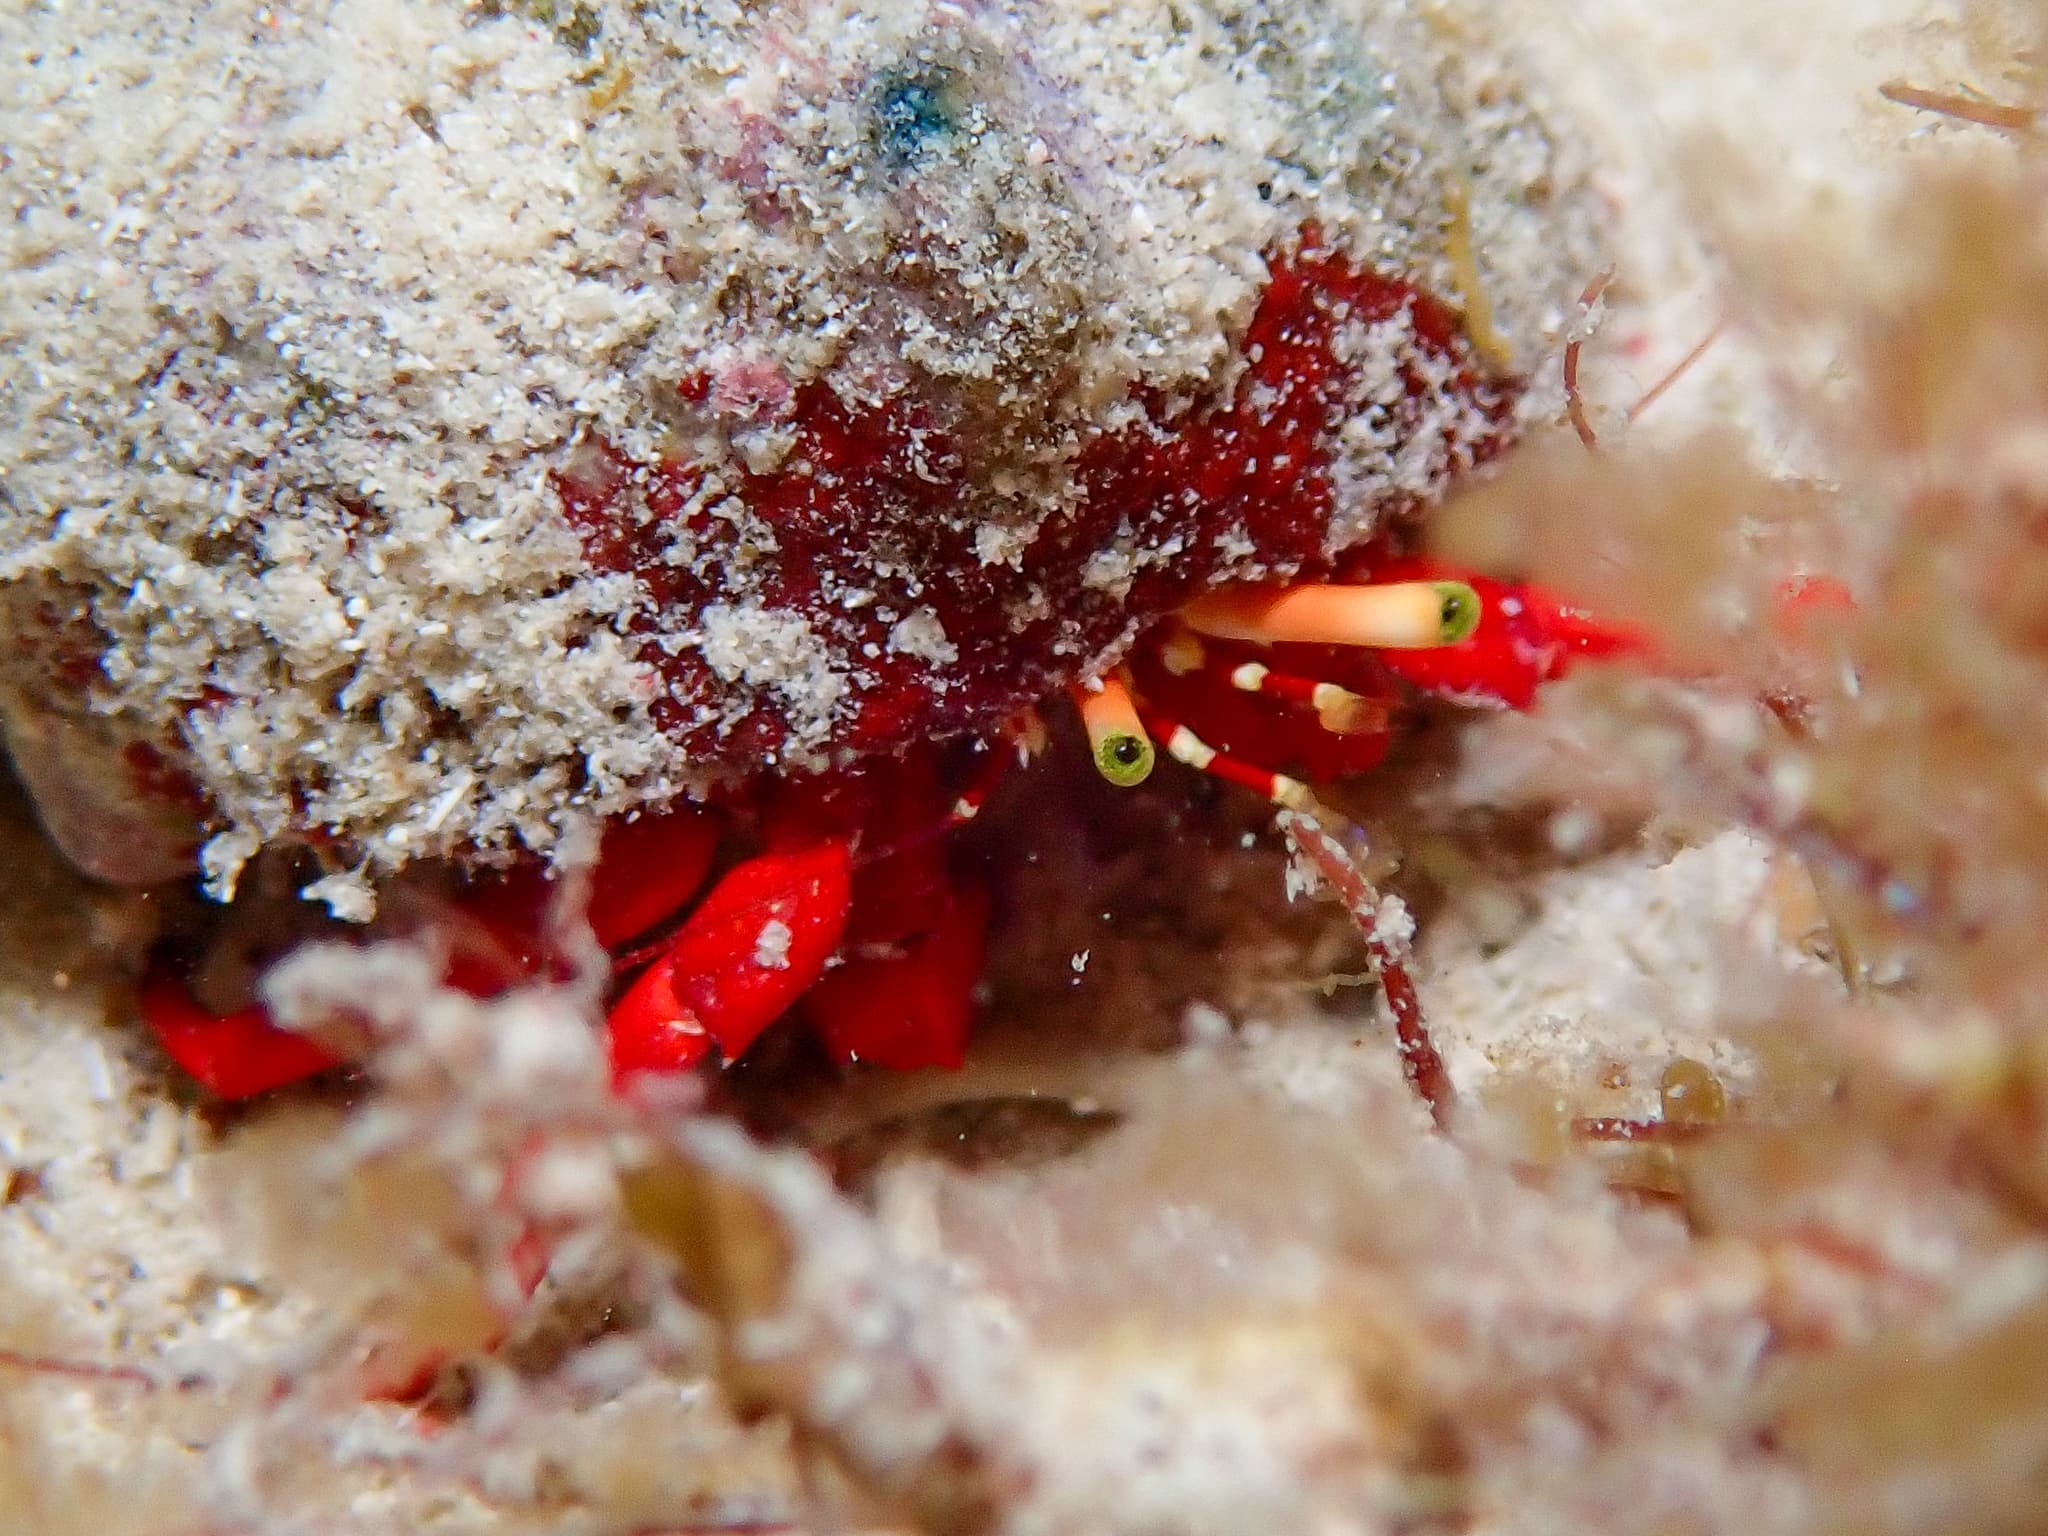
(1184,746)
(1395,615)
(1338,710)
(1387,943)
(1116,737)
(1023,737)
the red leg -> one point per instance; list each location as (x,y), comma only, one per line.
(1237,698)
(647,869)
(235,1055)
(745,956)
(912,1009)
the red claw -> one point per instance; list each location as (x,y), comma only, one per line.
(912,1009)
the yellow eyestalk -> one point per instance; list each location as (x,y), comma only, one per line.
(1116,737)
(1395,615)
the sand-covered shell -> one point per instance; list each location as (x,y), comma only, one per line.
(450,420)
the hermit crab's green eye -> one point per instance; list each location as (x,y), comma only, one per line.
(1459,609)
(1123,751)
(1123,759)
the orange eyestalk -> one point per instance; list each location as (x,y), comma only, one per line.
(1398,615)
(1116,737)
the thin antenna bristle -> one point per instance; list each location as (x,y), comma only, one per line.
(1388,948)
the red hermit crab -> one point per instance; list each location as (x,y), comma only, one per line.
(733,424)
